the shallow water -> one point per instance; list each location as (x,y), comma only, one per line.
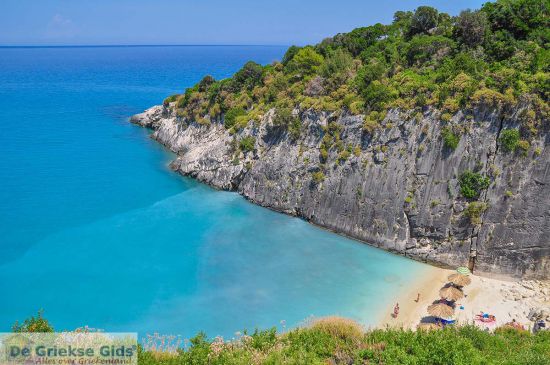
(97,231)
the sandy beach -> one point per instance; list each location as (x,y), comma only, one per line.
(506,300)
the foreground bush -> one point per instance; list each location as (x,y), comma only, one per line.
(336,340)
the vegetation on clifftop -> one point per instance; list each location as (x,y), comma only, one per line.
(336,340)
(497,56)
(341,341)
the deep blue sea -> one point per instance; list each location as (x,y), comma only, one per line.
(96,230)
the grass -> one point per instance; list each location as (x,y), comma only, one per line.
(336,340)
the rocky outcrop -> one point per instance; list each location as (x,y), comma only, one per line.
(396,188)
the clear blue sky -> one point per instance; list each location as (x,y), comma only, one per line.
(282,22)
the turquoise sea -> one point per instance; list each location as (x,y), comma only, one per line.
(96,230)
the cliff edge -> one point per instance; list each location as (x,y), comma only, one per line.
(427,136)
(397,188)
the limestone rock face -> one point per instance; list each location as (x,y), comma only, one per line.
(397,188)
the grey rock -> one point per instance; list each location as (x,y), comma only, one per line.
(365,196)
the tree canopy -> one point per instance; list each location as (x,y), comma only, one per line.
(497,55)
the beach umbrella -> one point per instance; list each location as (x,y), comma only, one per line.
(428,326)
(451,293)
(460,279)
(463,270)
(441,310)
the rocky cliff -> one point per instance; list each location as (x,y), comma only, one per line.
(396,187)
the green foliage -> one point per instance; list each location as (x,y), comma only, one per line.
(283,117)
(343,156)
(493,57)
(428,49)
(306,61)
(231,116)
(205,83)
(341,341)
(318,176)
(246,144)
(450,139)
(471,28)
(377,95)
(524,146)
(248,76)
(170,99)
(335,339)
(519,17)
(295,128)
(509,138)
(372,71)
(423,19)
(474,210)
(336,68)
(472,184)
(337,62)
(33,324)
(263,340)
(361,38)
(289,55)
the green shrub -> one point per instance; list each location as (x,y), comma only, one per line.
(378,94)
(248,76)
(374,70)
(231,116)
(306,61)
(336,67)
(474,210)
(425,48)
(509,139)
(472,184)
(263,340)
(295,128)
(362,38)
(324,153)
(423,19)
(289,55)
(343,156)
(335,340)
(318,176)
(450,139)
(170,99)
(471,27)
(33,324)
(283,117)
(205,83)
(524,146)
(246,144)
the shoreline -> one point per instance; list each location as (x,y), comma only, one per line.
(506,300)
(220,173)
(411,312)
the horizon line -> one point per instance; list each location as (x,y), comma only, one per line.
(139,45)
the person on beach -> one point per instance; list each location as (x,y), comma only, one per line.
(396,310)
(417,298)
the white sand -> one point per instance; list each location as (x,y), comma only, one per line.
(506,300)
